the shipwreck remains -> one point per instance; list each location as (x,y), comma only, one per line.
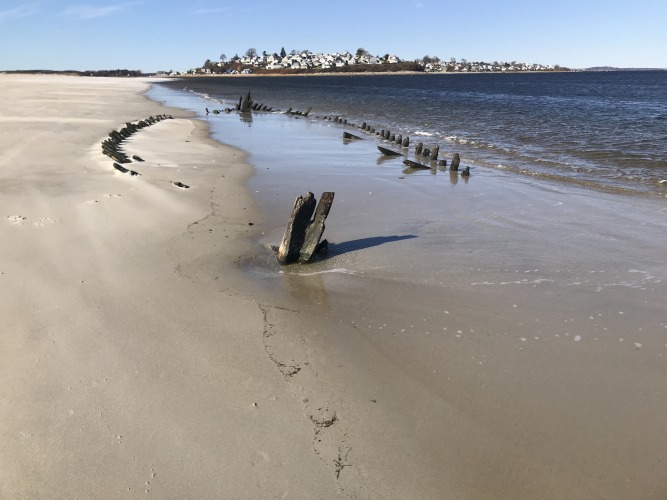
(388,152)
(454,165)
(348,136)
(301,240)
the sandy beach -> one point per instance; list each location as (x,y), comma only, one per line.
(120,376)
(480,339)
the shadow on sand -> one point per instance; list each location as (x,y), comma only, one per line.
(361,243)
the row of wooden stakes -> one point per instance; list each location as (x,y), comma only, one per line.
(429,154)
(111,147)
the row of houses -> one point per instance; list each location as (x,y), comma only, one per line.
(307,60)
(303,60)
(482,67)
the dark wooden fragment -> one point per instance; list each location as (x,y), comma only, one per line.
(246,103)
(347,135)
(416,165)
(315,228)
(454,166)
(120,168)
(466,172)
(180,185)
(434,153)
(406,142)
(418,148)
(295,233)
(137,158)
(388,152)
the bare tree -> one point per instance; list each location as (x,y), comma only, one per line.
(223,57)
(251,52)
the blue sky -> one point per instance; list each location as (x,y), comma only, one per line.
(167,34)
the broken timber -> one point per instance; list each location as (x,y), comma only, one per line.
(454,165)
(347,135)
(302,235)
(388,152)
(415,165)
(245,104)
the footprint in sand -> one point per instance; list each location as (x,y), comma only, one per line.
(16,220)
(45,221)
(106,195)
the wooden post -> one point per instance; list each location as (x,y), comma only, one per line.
(245,104)
(454,165)
(302,236)
(434,153)
(315,228)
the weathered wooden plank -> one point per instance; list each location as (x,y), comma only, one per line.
(295,233)
(415,165)
(246,103)
(454,165)
(315,228)
(388,152)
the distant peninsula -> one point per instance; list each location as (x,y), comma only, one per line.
(305,62)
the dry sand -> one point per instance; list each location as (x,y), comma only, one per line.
(118,375)
(150,345)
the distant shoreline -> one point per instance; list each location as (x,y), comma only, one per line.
(135,74)
(365,73)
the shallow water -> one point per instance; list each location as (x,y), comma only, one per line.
(509,327)
(477,231)
(596,129)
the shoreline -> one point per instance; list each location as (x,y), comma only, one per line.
(497,300)
(368,73)
(155,345)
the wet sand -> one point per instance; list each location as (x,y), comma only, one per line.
(505,337)
(494,338)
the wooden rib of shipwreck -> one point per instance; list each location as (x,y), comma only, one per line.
(415,165)
(388,152)
(454,165)
(347,135)
(302,236)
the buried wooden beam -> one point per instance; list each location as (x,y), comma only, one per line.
(388,152)
(302,235)
(316,227)
(415,165)
(454,165)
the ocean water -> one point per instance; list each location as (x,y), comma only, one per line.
(603,130)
